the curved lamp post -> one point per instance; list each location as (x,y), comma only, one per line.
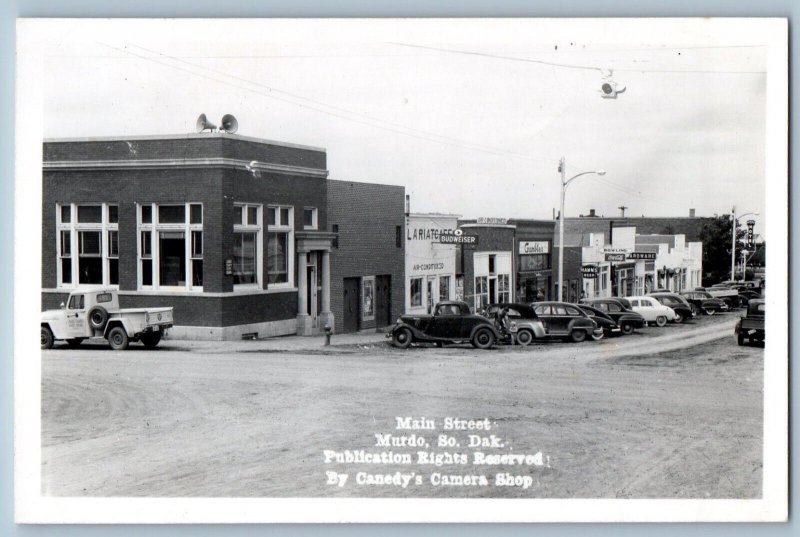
(564,183)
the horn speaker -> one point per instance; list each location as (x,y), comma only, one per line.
(229,124)
(203,123)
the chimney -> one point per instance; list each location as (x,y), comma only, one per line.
(408,204)
(691,213)
(591,213)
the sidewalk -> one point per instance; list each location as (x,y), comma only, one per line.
(280,344)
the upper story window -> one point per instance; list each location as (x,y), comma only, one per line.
(310,218)
(170,249)
(280,245)
(247,240)
(87,244)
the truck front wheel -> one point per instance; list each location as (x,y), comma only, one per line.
(151,339)
(47,338)
(118,338)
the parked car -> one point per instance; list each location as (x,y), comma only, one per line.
(603,320)
(729,296)
(95,313)
(451,322)
(704,302)
(683,310)
(522,320)
(747,295)
(651,309)
(627,319)
(564,320)
(750,328)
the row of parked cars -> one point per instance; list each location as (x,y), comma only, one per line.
(593,318)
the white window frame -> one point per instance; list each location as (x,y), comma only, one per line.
(245,226)
(154,228)
(74,228)
(314,218)
(290,253)
(411,293)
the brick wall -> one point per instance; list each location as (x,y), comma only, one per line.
(490,239)
(367,215)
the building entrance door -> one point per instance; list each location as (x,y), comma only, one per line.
(383,302)
(431,297)
(312,296)
(351,302)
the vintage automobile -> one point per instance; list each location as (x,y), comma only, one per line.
(627,319)
(683,310)
(724,293)
(750,328)
(95,313)
(603,320)
(651,309)
(746,295)
(523,322)
(565,320)
(703,302)
(451,322)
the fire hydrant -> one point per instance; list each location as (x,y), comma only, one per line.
(327,334)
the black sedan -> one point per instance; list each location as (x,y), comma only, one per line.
(683,310)
(603,320)
(567,321)
(702,301)
(627,319)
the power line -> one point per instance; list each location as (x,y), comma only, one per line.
(573,66)
(361,118)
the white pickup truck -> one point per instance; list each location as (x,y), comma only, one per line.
(95,313)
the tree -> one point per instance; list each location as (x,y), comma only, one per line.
(715,235)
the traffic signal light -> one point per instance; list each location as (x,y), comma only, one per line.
(609,88)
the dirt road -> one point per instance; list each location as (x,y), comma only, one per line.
(674,412)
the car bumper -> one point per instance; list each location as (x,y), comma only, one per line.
(598,332)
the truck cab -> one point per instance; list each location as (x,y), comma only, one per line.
(95,313)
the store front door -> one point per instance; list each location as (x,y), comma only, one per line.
(312,292)
(351,302)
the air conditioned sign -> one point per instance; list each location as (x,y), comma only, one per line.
(491,220)
(534,247)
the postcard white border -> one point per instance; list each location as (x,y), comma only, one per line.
(32,507)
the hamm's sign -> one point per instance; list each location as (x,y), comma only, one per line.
(534,247)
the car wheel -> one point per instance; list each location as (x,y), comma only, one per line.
(98,317)
(402,338)
(711,312)
(695,309)
(525,337)
(151,340)
(627,329)
(598,337)
(483,339)
(75,342)
(661,320)
(577,336)
(679,317)
(118,338)
(47,338)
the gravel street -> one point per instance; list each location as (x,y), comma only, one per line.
(673,412)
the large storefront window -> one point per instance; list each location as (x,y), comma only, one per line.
(170,246)
(481,293)
(246,245)
(87,244)
(444,288)
(503,288)
(534,262)
(416,292)
(279,242)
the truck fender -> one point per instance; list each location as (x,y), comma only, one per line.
(116,322)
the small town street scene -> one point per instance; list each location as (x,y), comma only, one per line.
(406,259)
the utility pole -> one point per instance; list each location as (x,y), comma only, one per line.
(562,165)
(622,208)
(733,245)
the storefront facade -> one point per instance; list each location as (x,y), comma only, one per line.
(431,248)
(229,230)
(533,259)
(487,263)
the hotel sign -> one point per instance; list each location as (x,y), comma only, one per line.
(534,247)
(642,255)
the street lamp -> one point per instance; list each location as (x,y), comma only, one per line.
(564,183)
(734,225)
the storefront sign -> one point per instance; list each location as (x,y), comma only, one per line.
(428,233)
(428,267)
(534,247)
(589,271)
(458,238)
(614,250)
(228,267)
(750,236)
(641,255)
(487,220)
(615,257)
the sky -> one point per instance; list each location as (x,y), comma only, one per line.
(470,116)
